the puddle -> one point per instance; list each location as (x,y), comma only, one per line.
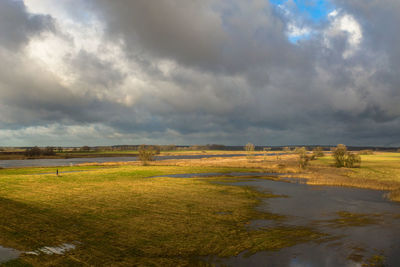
(59,250)
(7,254)
(362,222)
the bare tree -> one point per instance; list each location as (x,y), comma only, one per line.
(303,158)
(146,154)
(249,148)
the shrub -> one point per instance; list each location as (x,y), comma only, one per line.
(339,154)
(353,160)
(343,158)
(146,154)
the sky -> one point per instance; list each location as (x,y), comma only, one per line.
(270,72)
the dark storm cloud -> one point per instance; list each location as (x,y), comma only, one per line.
(213,71)
(17,25)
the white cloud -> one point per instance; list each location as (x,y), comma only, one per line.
(343,23)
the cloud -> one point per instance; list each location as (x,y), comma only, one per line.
(198,72)
(17,26)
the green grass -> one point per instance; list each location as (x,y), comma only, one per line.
(123,218)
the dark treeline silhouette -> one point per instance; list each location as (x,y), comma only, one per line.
(37,151)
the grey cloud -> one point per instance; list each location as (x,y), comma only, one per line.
(17,25)
(234,77)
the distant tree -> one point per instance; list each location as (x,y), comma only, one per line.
(156,149)
(60,149)
(249,148)
(146,154)
(303,158)
(339,154)
(33,152)
(344,158)
(48,151)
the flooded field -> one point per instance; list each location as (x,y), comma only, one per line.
(73,161)
(294,224)
(364,227)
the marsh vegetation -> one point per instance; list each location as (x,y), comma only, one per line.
(122,217)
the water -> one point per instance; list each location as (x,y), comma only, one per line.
(7,254)
(73,161)
(317,207)
(320,207)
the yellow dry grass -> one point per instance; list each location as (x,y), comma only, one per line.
(123,218)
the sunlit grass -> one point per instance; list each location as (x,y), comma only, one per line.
(380,171)
(123,218)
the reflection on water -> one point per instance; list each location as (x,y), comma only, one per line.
(73,161)
(7,254)
(363,222)
(364,226)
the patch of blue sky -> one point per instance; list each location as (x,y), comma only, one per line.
(295,38)
(315,10)
(301,15)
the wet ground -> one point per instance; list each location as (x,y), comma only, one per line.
(73,161)
(363,225)
(7,254)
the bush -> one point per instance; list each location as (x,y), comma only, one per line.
(343,158)
(353,160)
(339,154)
(146,154)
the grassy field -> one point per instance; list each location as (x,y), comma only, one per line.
(380,171)
(121,218)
